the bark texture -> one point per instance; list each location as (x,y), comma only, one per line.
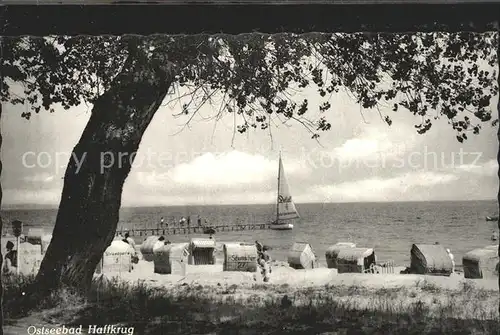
(101,161)
(498,155)
(1,230)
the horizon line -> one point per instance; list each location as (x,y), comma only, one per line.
(46,206)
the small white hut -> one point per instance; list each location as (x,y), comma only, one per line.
(301,256)
(34,235)
(202,251)
(333,251)
(430,259)
(147,246)
(30,258)
(171,258)
(240,257)
(116,259)
(355,260)
(480,263)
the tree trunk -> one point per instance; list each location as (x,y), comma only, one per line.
(1,230)
(89,209)
(498,153)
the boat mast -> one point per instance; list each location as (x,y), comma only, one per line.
(278,197)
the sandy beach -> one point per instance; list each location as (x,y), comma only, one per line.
(213,275)
(283,274)
(359,289)
(393,293)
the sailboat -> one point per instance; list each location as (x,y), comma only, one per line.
(285,207)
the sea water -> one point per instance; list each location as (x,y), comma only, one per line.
(389,228)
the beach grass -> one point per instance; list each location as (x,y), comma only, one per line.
(266,309)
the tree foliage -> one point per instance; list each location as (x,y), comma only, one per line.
(431,75)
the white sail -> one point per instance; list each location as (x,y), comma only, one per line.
(286,206)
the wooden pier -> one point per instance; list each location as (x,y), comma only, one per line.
(183,230)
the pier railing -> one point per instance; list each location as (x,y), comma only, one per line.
(181,230)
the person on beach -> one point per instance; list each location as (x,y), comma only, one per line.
(265,254)
(160,243)
(199,221)
(452,260)
(259,246)
(182,221)
(161,222)
(10,261)
(189,220)
(494,236)
(265,268)
(129,240)
(264,260)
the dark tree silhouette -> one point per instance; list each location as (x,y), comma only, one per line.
(252,76)
(1,229)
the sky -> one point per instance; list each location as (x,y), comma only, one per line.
(361,159)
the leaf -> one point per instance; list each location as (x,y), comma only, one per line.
(432,75)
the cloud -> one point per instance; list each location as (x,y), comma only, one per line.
(375,144)
(224,169)
(32,196)
(361,160)
(489,168)
(388,189)
(231,169)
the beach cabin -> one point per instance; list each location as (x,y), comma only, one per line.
(333,251)
(30,258)
(116,259)
(430,259)
(171,259)
(34,235)
(480,263)
(301,256)
(202,251)
(147,246)
(38,236)
(355,260)
(118,237)
(240,257)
